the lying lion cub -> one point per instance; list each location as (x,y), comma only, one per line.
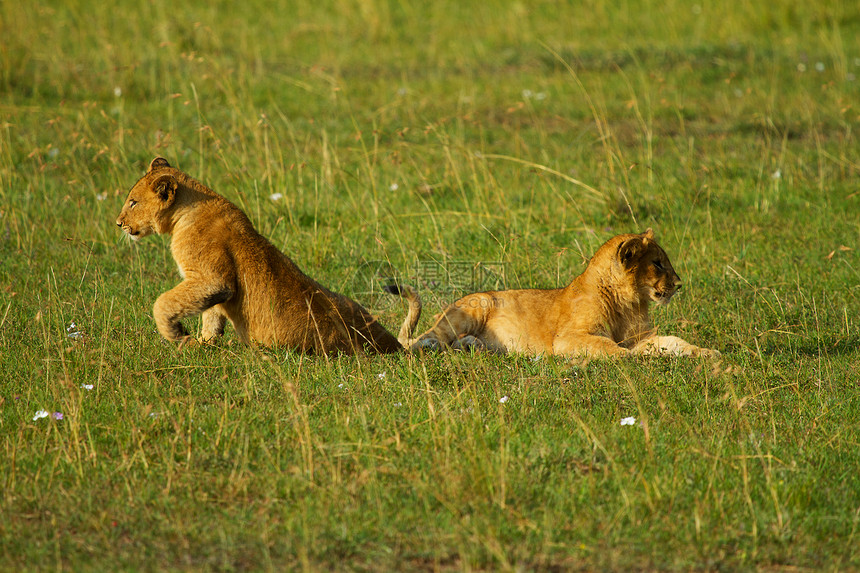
(231,272)
(603,311)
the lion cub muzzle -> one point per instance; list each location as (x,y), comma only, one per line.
(131,233)
(127,230)
(665,294)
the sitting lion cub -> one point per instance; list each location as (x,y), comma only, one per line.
(231,272)
(603,311)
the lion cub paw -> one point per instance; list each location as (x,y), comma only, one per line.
(188,342)
(430,344)
(707,353)
(468,343)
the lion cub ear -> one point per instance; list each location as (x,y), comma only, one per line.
(165,187)
(158,163)
(648,235)
(631,249)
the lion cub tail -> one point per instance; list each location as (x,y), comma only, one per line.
(412,314)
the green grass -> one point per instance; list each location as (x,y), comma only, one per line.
(519,132)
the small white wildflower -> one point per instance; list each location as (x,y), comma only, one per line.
(537,358)
(801,67)
(41,414)
(73,332)
(276,196)
(527,94)
(117,91)
(503,399)
(628,421)
(381,375)
(398,404)
(340,385)
(819,66)
(153,414)
(87,386)
(101,196)
(394,187)
(776,174)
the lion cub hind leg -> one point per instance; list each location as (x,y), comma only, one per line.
(458,320)
(591,345)
(671,346)
(188,298)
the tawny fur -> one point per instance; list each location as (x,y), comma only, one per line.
(231,272)
(602,312)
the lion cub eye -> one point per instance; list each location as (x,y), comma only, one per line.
(659,265)
(131,203)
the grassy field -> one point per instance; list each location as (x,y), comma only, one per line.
(360,134)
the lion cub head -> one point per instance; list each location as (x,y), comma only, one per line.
(647,267)
(148,208)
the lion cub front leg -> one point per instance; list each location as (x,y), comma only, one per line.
(671,346)
(214,321)
(188,298)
